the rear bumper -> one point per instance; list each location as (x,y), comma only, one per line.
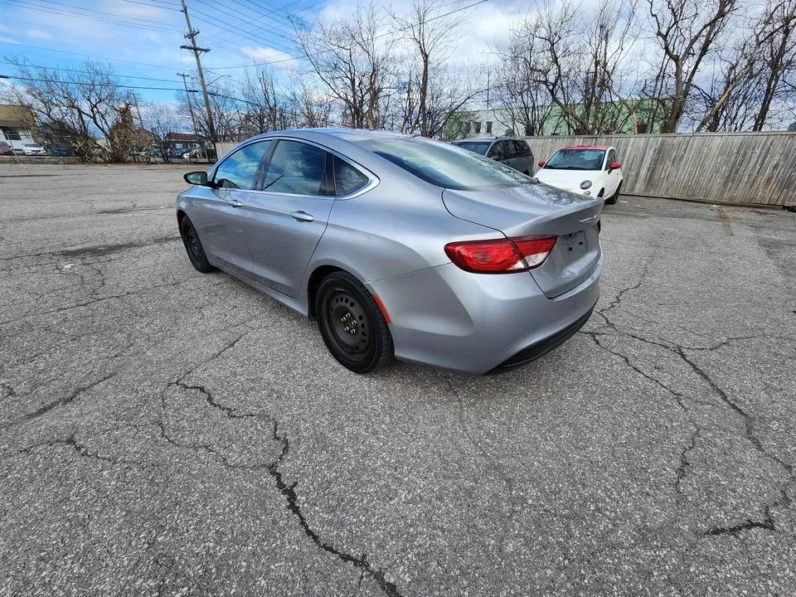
(474,323)
(540,349)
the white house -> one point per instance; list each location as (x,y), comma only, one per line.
(13,127)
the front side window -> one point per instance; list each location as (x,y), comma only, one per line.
(297,169)
(347,179)
(239,171)
(445,165)
(577,159)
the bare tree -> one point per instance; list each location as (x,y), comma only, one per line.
(353,63)
(266,103)
(78,108)
(560,56)
(430,90)
(686,31)
(160,120)
(778,59)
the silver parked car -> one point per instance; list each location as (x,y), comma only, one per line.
(399,245)
(515,153)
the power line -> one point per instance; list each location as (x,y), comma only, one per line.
(96,57)
(71,70)
(115,21)
(268,62)
(78,83)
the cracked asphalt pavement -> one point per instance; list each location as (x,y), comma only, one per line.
(164,432)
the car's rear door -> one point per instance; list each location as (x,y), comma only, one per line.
(286,217)
(216,212)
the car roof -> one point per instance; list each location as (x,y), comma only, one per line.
(603,147)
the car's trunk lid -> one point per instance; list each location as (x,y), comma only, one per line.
(539,210)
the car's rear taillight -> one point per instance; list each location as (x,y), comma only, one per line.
(501,256)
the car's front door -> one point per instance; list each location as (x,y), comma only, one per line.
(217,211)
(285,220)
(613,177)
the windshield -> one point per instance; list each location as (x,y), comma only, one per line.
(476,146)
(31,145)
(576,159)
(445,165)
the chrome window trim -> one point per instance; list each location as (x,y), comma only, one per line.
(373,180)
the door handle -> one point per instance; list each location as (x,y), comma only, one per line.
(235,203)
(301,216)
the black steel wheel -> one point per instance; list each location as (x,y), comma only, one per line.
(193,246)
(351,323)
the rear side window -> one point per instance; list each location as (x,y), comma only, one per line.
(239,171)
(347,179)
(522,149)
(298,169)
(445,165)
(509,150)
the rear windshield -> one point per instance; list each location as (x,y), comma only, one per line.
(576,159)
(476,146)
(445,165)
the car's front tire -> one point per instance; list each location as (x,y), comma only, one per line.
(613,198)
(193,246)
(351,324)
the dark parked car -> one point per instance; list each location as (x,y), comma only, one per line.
(6,149)
(515,153)
(61,151)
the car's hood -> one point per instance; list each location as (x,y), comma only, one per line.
(523,210)
(568,177)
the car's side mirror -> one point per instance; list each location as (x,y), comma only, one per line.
(197,178)
(615,166)
(542,163)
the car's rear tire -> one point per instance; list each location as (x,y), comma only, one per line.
(351,324)
(615,197)
(193,246)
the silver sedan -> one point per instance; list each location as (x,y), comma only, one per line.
(399,246)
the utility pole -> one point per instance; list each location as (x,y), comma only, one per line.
(190,107)
(211,127)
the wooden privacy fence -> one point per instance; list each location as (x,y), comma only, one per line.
(757,168)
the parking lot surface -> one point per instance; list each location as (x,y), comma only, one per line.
(172,433)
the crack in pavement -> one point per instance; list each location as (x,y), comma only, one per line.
(678,350)
(288,491)
(82,451)
(43,410)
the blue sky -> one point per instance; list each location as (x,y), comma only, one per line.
(141,38)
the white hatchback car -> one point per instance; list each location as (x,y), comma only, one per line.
(586,170)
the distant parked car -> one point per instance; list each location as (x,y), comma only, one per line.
(6,148)
(586,170)
(515,153)
(33,149)
(61,151)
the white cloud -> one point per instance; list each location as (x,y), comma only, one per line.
(263,54)
(38,34)
(8,40)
